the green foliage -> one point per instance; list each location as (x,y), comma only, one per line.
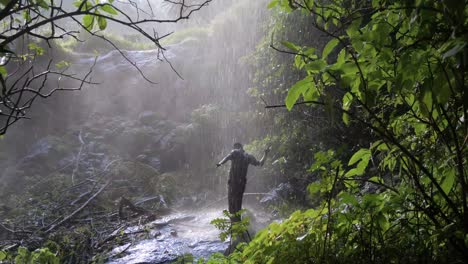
(229,228)
(38,256)
(188,259)
(396,69)
(3,255)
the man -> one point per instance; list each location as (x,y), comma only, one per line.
(240,161)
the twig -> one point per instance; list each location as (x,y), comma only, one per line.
(77,160)
(67,218)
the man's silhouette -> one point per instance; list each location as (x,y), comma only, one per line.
(240,161)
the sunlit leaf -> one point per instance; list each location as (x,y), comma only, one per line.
(359,155)
(291,46)
(35,48)
(383,222)
(349,199)
(449,180)
(62,64)
(329,47)
(273,3)
(297,90)
(345,118)
(3,71)
(376,179)
(313,188)
(316,65)
(88,22)
(109,9)
(102,22)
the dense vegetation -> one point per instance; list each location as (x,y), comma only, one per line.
(366,105)
(394,70)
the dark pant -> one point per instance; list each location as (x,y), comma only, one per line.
(235,194)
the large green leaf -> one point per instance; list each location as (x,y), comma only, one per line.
(297,90)
(349,199)
(361,154)
(449,180)
(314,187)
(316,65)
(109,9)
(329,47)
(291,46)
(383,222)
(88,22)
(102,22)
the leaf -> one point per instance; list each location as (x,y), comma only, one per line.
(43,4)
(383,222)
(347,101)
(35,48)
(26,15)
(3,255)
(449,180)
(363,156)
(314,188)
(296,90)
(102,22)
(23,252)
(86,6)
(3,71)
(62,64)
(376,179)
(291,46)
(359,155)
(88,22)
(311,94)
(372,199)
(345,118)
(349,199)
(109,9)
(329,47)
(273,3)
(351,172)
(316,65)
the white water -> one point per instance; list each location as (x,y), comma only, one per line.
(187,232)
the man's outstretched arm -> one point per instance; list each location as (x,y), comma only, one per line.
(224,160)
(262,160)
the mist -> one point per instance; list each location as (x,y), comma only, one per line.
(155,124)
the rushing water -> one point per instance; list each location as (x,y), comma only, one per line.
(183,232)
(173,236)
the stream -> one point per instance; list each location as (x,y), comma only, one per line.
(183,232)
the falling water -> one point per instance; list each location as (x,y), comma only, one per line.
(197,88)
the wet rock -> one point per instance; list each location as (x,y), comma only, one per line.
(181,234)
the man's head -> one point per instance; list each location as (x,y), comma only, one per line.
(237,145)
